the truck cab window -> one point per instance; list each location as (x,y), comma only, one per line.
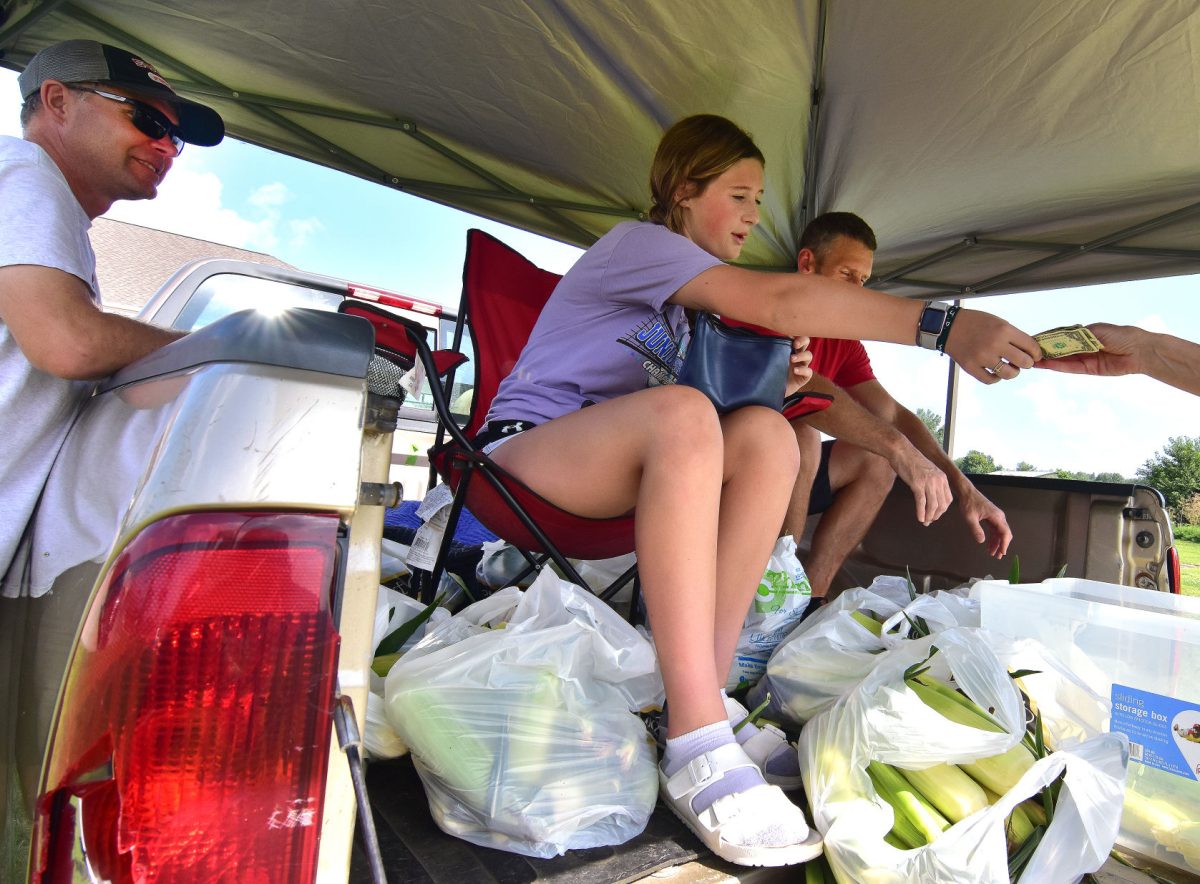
(227,293)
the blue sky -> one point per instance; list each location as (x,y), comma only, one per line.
(331,223)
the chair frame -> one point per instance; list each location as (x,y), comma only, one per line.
(459,451)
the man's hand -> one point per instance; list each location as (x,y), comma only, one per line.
(978,510)
(928,484)
(800,372)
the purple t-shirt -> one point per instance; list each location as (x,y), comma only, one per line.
(607,329)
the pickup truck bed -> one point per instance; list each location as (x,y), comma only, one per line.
(416,851)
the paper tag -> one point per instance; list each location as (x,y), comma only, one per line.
(435,511)
(1164,733)
(413,379)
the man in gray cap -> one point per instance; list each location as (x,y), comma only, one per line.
(100,125)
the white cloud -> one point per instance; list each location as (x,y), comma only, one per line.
(191,202)
(269,196)
(301,230)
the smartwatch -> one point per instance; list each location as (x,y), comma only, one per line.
(932,323)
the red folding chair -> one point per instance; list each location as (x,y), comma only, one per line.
(503,294)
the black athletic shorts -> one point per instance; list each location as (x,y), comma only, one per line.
(494,431)
(821,497)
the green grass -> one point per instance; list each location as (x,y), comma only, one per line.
(1189,554)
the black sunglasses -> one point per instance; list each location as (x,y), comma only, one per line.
(148,120)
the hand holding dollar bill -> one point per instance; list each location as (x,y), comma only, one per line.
(1067,340)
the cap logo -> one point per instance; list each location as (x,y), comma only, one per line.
(157,79)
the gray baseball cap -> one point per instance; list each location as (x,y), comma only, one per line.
(80,61)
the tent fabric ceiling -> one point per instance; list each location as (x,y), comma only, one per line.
(1061,137)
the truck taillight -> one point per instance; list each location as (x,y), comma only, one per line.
(1174,581)
(192,738)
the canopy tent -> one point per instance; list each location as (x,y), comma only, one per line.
(994,147)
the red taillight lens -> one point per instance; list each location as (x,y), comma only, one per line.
(192,738)
(1174,579)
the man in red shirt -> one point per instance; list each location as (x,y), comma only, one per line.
(875,439)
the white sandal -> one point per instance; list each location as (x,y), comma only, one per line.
(763,745)
(764,803)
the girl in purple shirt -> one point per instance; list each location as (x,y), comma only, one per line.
(709,491)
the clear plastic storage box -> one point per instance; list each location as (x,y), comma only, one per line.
(1140,648)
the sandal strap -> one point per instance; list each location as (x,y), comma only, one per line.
(765,743)
(705,769)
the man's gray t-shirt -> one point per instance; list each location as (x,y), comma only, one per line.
(41,223)
(607,329)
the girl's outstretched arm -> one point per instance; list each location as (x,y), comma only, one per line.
(985,346)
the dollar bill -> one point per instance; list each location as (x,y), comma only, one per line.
(1067,340)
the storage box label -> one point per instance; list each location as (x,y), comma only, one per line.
(1164,732)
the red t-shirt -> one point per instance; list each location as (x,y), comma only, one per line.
(843,362)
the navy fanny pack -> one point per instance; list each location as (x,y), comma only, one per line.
(736,367)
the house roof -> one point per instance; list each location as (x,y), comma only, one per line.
(133,262)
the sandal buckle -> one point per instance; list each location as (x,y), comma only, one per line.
(700,769)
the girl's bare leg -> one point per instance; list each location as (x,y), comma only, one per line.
(662,451)
(761,462)
(710,494)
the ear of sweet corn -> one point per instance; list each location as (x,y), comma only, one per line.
(998,772)
(917,822)
(1001,772)
(875,627)
(1035,811)
(951,704)
(947,788)
(1018,826)
(926,802)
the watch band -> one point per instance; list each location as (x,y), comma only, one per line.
(951,312)
(931,324)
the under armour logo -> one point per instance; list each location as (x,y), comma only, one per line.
(515,427)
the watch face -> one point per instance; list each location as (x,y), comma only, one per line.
(932,320)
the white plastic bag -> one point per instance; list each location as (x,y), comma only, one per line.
(831,652)
(379,737)
(392,610)
(525,736)
(882,719)
(780,602)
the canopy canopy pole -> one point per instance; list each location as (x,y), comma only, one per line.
(1136,251)
(408,127)
(1059,252)
(962,245)
(808,206)
(11,33)
(949,423)
(366,168)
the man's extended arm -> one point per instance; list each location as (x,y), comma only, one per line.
(1132,350)
(976,508)
(61,330)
